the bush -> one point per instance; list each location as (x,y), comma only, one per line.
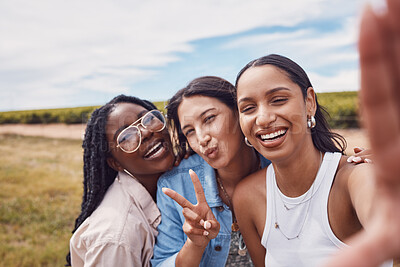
(342,107)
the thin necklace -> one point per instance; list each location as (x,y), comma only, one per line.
(305,197)
(235,226)
(297,204)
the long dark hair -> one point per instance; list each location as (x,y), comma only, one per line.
(97,174)
(323,139)
(210,86)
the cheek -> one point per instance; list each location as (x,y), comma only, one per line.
(297,117)
(194,145)
(245,124)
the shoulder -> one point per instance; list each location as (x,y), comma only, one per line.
(348,173)
(251,188)
(194,162)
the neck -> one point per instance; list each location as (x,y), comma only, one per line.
(149,181)
(243,164)
(296,173)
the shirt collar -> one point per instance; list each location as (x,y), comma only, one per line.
(141,197)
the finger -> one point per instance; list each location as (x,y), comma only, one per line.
(365,251)
(190,215)
(377,84)
(189,229)
(183,202)
(197,187)
(358,149)
(393,15)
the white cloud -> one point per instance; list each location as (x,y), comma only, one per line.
(103,45)
(342,81)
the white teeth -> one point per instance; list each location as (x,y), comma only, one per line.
(157,146)
(272,135)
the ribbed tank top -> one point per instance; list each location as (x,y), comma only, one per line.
(305,223)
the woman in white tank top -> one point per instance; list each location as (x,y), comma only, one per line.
(305,206)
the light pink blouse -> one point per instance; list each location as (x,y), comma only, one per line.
(121,231)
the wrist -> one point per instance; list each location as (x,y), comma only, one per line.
(193,245)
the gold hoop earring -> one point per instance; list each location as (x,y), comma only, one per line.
(247,142)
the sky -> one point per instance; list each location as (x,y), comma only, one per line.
(56,53)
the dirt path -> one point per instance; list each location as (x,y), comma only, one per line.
(58,130)
(354,137)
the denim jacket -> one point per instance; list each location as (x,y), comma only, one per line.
(171,237)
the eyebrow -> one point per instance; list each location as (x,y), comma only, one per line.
(140,115)
(267,93)
(201,115)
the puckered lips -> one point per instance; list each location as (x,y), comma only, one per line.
(155,150)
(271,138)
(210,152)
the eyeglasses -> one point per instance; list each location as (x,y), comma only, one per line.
(130,138)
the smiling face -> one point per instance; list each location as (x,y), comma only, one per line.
(273,113)
(211,129)
(155,153)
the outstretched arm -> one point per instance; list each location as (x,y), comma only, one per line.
(379,47)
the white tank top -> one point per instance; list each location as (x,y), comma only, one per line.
(297,230)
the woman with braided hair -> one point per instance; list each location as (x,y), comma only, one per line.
(126,149)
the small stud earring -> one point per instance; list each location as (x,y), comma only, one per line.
(247,142)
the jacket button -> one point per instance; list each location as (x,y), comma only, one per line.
(218,248)
(220,208)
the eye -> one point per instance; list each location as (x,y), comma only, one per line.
(188,132)
(246,109)
(209,118)
(279,100)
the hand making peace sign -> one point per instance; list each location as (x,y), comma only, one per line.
(200,224)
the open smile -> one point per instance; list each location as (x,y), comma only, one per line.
(272,139)
(156,150)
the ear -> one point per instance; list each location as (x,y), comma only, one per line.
(114,164)
(311,104)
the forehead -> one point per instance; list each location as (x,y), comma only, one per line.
(195,106)
(266,77)
(124,114)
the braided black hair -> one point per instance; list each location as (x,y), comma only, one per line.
(97,174)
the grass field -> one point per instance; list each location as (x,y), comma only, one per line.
(40,181)
(41,188)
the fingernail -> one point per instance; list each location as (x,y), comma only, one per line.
(164,189)
(350,159)
(190,171)
(379,7)
(368,161)
(357,159)
(207,225)
(205,233)
(202,222)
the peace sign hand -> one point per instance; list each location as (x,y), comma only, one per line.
(200,224)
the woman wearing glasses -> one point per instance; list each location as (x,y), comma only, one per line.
(126,149)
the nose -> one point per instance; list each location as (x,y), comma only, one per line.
(265,117)
(146,133)
(203,138)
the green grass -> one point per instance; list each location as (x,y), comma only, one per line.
(41,188)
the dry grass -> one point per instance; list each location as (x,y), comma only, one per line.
(40,181)
(41,188)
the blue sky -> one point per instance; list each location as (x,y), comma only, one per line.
(57,53)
